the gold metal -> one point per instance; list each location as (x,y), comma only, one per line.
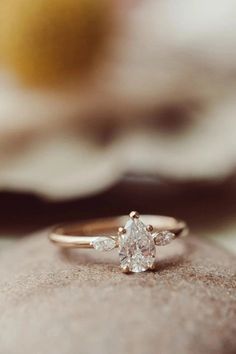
(125,270)
(149,228)
(121,230)
(134,215)
(152,267)
(82,234)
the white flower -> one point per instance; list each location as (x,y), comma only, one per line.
(177,55)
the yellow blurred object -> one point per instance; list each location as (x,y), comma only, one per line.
(47,41)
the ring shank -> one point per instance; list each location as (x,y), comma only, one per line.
(82,234)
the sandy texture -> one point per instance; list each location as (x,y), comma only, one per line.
(79,302)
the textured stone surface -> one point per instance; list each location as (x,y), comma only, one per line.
(80,302)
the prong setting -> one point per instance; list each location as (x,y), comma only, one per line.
(121,231)
(134,215)
(149,228)
(152,267)
(125,270)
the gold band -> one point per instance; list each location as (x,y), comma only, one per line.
(83,234)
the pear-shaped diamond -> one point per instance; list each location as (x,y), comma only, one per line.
(136,247)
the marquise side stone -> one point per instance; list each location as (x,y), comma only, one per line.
(163,238)
(103,244)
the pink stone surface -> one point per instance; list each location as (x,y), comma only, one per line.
(80,302)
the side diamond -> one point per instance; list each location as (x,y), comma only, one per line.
(163,238)
(103,244)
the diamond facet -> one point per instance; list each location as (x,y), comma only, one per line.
(136,247)
(163,238)
(103,244)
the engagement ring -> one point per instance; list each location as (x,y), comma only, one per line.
(136,239)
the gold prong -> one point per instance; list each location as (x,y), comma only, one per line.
(125,270)
(121,230)
(152,267)
(134,215)
(149,228)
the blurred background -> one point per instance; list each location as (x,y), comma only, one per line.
(108,106)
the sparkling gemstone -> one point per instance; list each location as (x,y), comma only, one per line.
(103,244)
(136,247)
(163,238)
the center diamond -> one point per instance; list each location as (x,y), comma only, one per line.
(137,248)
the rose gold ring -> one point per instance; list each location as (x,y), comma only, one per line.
(137,240)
